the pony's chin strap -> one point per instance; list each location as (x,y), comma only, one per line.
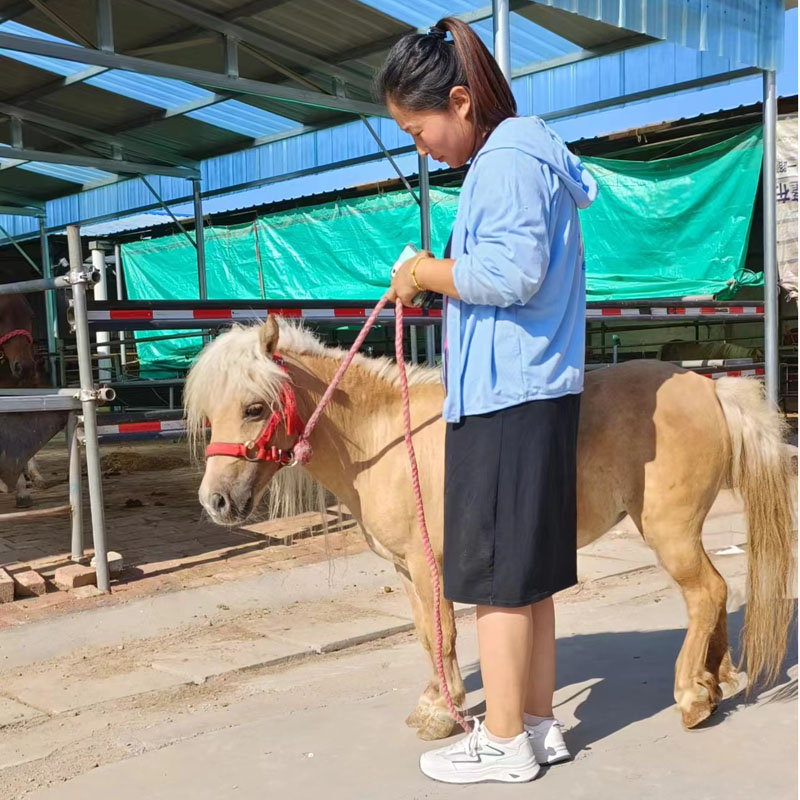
(260,449)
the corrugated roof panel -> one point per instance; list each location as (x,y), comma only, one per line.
(165,93)
(55,65)
(243,118)
(161,92)
(81,175)
(529,42)
(745,31)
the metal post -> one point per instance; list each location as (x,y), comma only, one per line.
(75,490)
(123,350)
(199,239)
(38,285)
(771,365)
(502,45)
(49,302)
(88,400)
(98,250)
(425,239)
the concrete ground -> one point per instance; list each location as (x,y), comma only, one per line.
(295,684)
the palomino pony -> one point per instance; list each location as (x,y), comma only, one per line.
(656,442)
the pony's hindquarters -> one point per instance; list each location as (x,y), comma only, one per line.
(760,470)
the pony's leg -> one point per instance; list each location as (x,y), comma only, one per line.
(23,498)
(431,717)
(704,658)
(431,693)
(35,474)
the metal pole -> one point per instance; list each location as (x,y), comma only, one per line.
(75,490)
(199,238)
(425,239)
(502,46)
(39,285)
(390,159)
(168,210)
(771,365)
(101,293)
(88,400)
(123,350)
(49,302)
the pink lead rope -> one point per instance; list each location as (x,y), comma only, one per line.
(302,453)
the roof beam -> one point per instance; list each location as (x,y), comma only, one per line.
(129,143)
(271,46)
(197,76)
(106,164)
(48,12)
(179,40)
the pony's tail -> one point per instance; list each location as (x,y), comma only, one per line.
(760,469)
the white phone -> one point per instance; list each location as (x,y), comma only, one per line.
(420,299)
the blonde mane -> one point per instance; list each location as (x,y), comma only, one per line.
(234,364)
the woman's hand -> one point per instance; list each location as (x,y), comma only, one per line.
(403,288)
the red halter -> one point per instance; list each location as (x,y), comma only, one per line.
(11,334)
(260,449)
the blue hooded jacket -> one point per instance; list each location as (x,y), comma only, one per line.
(517,332)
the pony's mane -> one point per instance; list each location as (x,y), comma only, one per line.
(235,363)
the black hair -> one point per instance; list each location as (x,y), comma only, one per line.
(422,68)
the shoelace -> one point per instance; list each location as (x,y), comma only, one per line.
(469,744)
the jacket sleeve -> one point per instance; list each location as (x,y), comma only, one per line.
(508,219)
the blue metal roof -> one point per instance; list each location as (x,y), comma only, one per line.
(230,115)
(529,42)
(658,65)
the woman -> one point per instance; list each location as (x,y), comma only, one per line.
(513,364)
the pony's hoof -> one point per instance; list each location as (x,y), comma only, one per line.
(421,713)
(415,718)
(697,713)
(437,724)
(26,501)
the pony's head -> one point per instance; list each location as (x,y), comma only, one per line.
(16,325)
(234,388)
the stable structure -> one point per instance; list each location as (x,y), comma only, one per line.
(308,63)
(302,67)
(85,400)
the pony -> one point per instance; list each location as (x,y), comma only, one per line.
(17,358)
(18,368)
(655,442)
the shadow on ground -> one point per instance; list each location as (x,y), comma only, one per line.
(625,677)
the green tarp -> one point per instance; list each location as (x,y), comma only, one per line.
(664,228)
(672,227)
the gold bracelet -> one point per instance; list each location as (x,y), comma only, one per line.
(413,271)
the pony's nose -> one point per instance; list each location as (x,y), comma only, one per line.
(16,369)
(219,502)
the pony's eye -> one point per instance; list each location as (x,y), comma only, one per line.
(254,410)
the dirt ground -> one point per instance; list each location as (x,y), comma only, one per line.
(153,518)
(225,665)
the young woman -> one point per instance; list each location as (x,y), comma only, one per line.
(514,349)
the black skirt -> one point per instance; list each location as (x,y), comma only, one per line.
(510,504)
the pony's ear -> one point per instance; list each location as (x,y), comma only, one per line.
(268,336)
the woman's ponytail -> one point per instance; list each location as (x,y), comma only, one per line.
(422,68)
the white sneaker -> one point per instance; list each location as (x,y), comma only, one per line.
(474,759)
(548,742)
